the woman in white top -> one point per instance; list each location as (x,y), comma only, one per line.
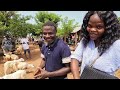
(100,37)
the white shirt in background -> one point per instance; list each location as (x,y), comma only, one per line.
(25,42)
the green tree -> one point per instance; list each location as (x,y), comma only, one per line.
(19,25)
(119,19)
(5,17)
(44,16)
(67,27)
(60,32)
(14,23)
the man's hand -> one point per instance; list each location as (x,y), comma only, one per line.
(44,74)
(37,71)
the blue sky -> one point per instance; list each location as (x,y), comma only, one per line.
(77,15)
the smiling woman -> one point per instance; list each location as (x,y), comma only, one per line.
(95,28)
(101,40)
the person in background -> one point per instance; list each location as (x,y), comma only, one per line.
(13,43)
(7,44)
(40,42)
(25,45)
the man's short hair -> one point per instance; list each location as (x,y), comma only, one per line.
(50,23)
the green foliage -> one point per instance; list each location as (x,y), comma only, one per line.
(67,27)
(44,16)
(119,19)
(60,32)
(13,23)
(19,25)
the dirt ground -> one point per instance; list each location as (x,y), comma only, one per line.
(35,60)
